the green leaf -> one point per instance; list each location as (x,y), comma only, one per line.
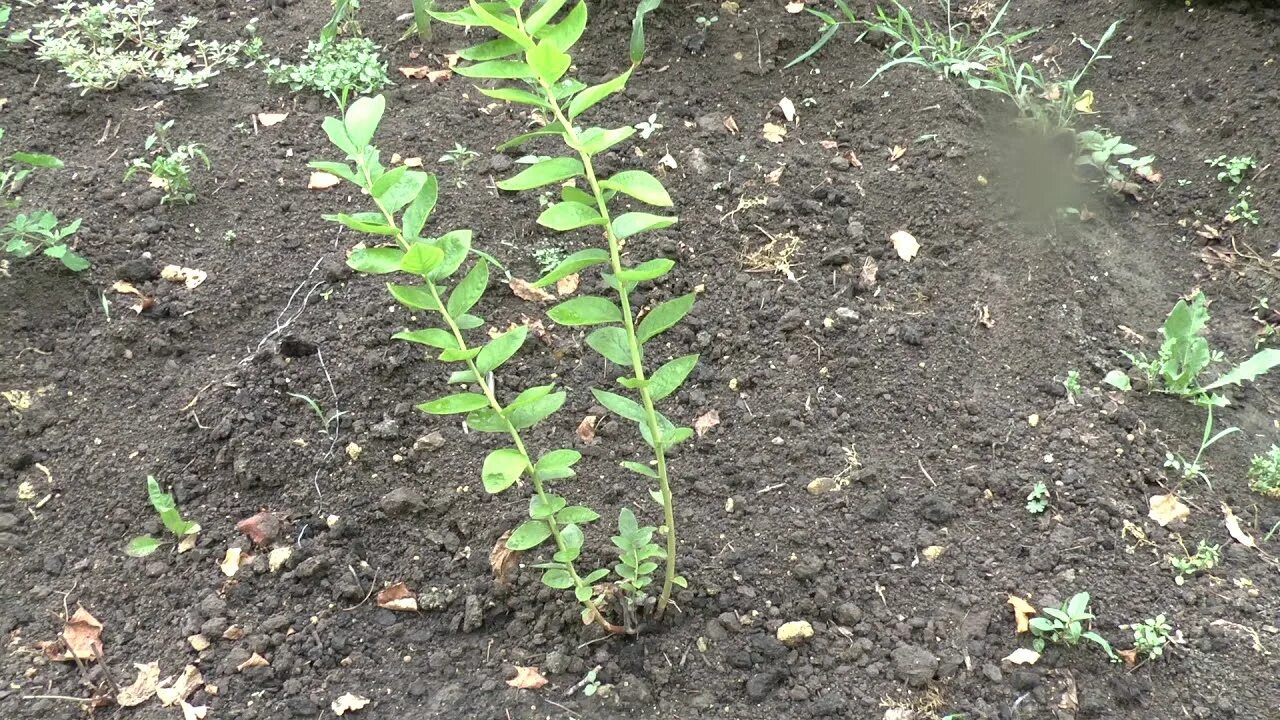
(636,467)
(466,16)
(497,70)
(554,128)
(577,514)
(528,414)
(414,296)
(529,535)
(567,32)
(337,133)
(612,344)
(647,270)
(455,244)
(627,524)
(372,223)
(668,378)
(342,170)
(557,578)
(680,581)
(515,95)
(644,7)
(469,291)
(624,406)
(500,349)
(583,593)
(39,160)
(387,180)
(628,224)
(403,191)
(594,141)
(70,260)
(569,216)
(538,510)
(640,185)
(502,468)
(569,193)
(362,118)
(421,259)
(664,316)
(468,322)
(542,173)
(1119,380)
(594,576)
(580,260)
(433,337)
(557,464)
(571,536)
(142,546)
(487,420)
(549,61)
(453,404)
(500,23)
(1248,370)
(540,17)
(415,216)
(491,50)
(588,98)
(168,510)
(585,310)
(458,355)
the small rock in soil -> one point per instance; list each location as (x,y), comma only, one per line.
(556,662)
(312,566)
(500,163)
(914,665)
(403,501)
(431,441)
(472,615)
(388,429)
(794,633)
(760,685)
(848,614)
(936,509)
(263,528)
(840,256)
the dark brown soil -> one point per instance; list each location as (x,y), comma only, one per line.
(935,401)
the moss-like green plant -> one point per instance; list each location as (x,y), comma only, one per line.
(533,52)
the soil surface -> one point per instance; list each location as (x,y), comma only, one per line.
(936,393)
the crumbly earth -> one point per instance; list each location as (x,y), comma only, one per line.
(930,377)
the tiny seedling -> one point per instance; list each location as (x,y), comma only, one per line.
(325,420)
(1232,169)
(1192,469)
(705,23)
(1072,385)
(636,554)
(25,234)
(830,26)
(1038,499)
(144,545)
(1205,558)
(17,168)
(1151,636)
(459,155)
(1264,473)
(1066,626)
(1107,154)
(169,167)
(549,257)
(1243,209)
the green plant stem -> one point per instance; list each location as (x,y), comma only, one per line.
(637,361)
(487,390)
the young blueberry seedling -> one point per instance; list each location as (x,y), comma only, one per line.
(532,53)
(1066,625)
(403,200)
(1038,499)
(163,502)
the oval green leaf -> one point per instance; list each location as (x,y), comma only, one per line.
(453,404)
(529,535)
(585,310)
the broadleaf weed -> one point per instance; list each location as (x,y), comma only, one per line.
(164,505)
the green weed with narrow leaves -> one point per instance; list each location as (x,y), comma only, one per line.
(403,200)
(532,51)
(169,166)
(1066,625)
(830,26)
(164,504)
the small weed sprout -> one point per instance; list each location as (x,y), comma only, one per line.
(169,167)
(338,68)
(1151,636)
(1232,169)
(459,155)
(98,46)
(548,257)
(16,169)
(1066,626)
(1264,473)
(1072,385)
(1038,499)
(705,23)
(1107,154)
(1243,210)
(163,502)
(1205,558)
(26,233)
(326,420)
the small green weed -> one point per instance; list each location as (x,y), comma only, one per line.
(705,23)
(459,155)
(144,545)
(169,167)
(549,257)
(1151,636)
(1264,473)
(1107,154)
(1205,558)
(1232,169)
(337,68)
(25,234)
(830,26)
(1072,385)
(1038,499)
(99,45)
(1243,209)
(326,420)
(1066,626)
(16,168)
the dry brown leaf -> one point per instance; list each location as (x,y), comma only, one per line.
(398,597)
(730,124)
(706,421)
(795,7)
(426,73)
(199,643)
(1023,656)
(413,162)
(178,688)
(191,277)
(526,291)
(527,678)
(83,636)
(269,119)
(233,633)
(254,661)
(1130,656)
(828,144)
(348,703)
(231,562)
(568,284)
(587,429)
(788,109)
(187,543)
(667,161)
(905,244)
(1165,509)
(773,133)
(503,561)
(125,288)
(1022,612)
(896,153)
(774,175)
(1233,527)
(322,180)
(867,275)
(852,157)
(193,712)
(143,688)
